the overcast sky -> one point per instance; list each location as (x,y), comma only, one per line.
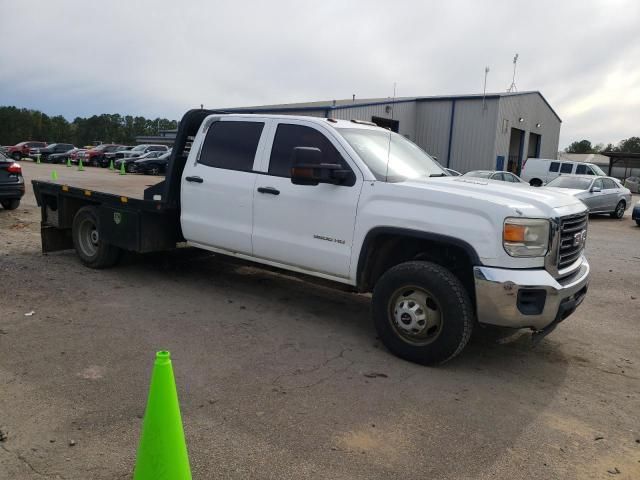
(160,57)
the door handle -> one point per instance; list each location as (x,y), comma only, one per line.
(270,190)
(194,179)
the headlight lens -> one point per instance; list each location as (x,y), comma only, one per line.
(526,237)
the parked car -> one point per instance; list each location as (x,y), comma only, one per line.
(633,184)
(62,157)
(22,149)
(52,149)
(117,153)
(353,204)
(140,150)
(540,171)
(635,214)
(152,165)
(129,162)
(96,155)
(76,154)
(495,175)
(11,183)
(599,194)
(452,172)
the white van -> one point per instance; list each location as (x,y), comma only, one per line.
(539,171)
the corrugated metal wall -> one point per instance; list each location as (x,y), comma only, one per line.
(404,112)
(474,131)
(532,109)
(433,120)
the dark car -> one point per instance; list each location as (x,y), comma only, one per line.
(129,162)
(152,166)
(11,183)
(62,157)
(23,149)
(117,153)
(52,149)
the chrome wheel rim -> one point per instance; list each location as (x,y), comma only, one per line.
(88,237)
(620,210)
(415,315)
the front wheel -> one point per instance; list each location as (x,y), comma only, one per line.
(619,211)
(10,204)
(536,182)
(422,312)
(16,156)
(92,250)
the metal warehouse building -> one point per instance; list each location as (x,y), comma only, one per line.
(465,132)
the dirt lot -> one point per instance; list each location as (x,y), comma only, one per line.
(274,373)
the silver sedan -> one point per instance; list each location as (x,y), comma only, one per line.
(599,194)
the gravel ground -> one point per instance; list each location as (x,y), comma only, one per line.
(279,378)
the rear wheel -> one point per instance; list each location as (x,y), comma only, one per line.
(10,204)
(535,182)
(619,211)
(422,312)
(15,156)
(131,168)
(93,251)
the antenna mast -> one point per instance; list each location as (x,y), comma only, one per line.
(484,90)
(512,87)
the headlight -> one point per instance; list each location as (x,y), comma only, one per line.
(526,237)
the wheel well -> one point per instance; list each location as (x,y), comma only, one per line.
(535,181)
(387,250)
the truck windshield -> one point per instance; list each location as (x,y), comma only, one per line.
(598,170)
(575,183)
(391,157)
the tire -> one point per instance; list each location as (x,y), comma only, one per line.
(10,204)
(155,171)
(436,294)
(16,156)
(619,211)
(535,182)
(131,168)
(93,252)
(638,221)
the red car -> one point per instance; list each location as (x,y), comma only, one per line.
(95,156)
(21,149)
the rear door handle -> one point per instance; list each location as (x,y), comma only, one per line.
(270,190)
(194,179)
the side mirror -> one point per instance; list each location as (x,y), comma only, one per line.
(308,169)
(595,189)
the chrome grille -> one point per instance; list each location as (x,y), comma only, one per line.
(569,248)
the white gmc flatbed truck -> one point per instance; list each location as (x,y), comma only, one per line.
(354,204)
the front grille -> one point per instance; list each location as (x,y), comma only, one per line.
(571,247)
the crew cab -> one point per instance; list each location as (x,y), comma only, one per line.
(355,204)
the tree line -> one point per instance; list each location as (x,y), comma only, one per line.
(20,124)
(629,145)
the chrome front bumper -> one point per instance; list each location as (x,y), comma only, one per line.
(528,298)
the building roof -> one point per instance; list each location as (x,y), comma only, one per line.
(364,102)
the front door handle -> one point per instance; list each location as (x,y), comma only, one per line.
(270,190)
(194,179)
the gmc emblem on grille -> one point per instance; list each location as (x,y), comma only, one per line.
(579,238)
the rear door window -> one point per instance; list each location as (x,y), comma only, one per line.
(581,169)
(231,145)
(554,166)
(497,176)
(566,168)
(609,184)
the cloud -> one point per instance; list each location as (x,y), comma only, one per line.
(160,58)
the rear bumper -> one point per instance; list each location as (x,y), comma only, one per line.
(12,190)
(528,298)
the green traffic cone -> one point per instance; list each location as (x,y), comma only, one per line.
(162,452)
(111,167)
(68,161)
(122,169)
(38,159)
(80,167)
(54,175)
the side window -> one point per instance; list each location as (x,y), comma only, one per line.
(290,136)
(608,183)
(598,184)
(231,145)
(554,166)
(566,168)
(581,169)
(498,176)
(510,178)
